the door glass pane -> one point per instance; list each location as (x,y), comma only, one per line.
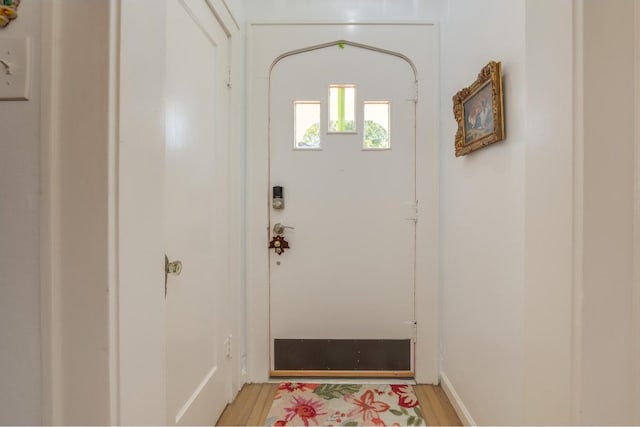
(376,126)
(342,108)
(307,125)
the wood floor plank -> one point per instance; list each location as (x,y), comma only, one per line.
(252,396)
(273,388)
(452,416)
(437,408)
(234,412)
(429,412)
(264,399)
(226,414)
(437,404)
(253,412)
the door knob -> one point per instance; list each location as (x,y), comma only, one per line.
(173,267)
(280,228)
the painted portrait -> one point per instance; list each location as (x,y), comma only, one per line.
(478,114)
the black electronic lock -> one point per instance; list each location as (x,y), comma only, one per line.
(278,197)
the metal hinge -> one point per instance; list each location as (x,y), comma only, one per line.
(227,347)
(413,92)
(413,323)
(415,331)
(414,214)
(228,79)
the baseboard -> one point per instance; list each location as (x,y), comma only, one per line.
(458,404)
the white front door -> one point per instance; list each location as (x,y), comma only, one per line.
(196,213)
(340,226)
(342,146)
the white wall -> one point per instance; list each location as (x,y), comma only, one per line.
(537,259)
(549,212)
(482,218)
(608,268)
(507,217)
(237,10)
(76,202)
(20,373)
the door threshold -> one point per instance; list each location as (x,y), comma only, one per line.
(366,381)
(340,374)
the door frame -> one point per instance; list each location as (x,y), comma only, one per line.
(257,193)
(636,241)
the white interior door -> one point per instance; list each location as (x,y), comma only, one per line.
(196,213)
(350,271)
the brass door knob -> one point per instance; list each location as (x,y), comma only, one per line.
(173,267)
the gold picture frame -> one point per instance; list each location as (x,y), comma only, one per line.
(8,11)
(478,109)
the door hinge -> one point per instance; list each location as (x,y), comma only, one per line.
(415,331)
(413,92)
(228,77)
(228,347)
(414,324)
(413,206)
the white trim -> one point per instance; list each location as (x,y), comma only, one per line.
(141,311)
(252,23)
(224,16)
(49,307)
(578,213)
(636,222)
(256,352)
(347,43)
(225,19)
(456,401)
(432,272)
(236,198)
(393,381)
(113,128)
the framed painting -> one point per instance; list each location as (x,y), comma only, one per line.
(478,109)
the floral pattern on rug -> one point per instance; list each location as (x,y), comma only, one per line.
(298,404)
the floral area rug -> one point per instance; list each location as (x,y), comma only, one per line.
(345,405)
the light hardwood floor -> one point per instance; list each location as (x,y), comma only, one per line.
(252,405)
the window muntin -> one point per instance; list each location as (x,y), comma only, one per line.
(342,108)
